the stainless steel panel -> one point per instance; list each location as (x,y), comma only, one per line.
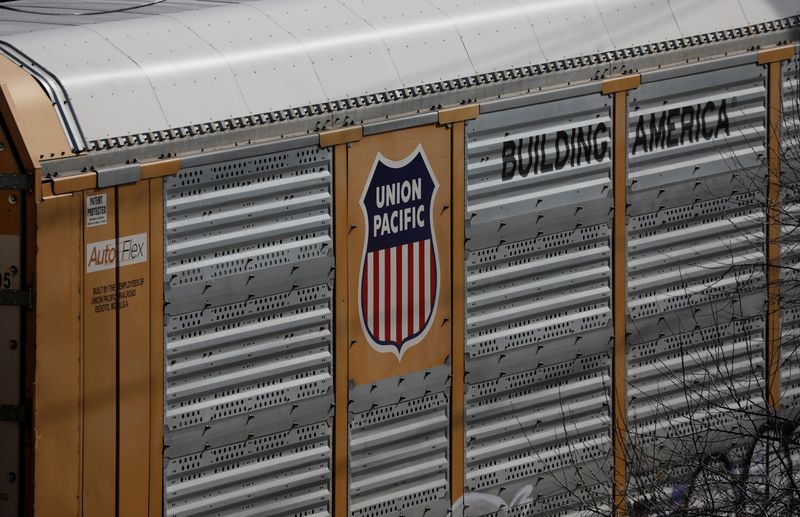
(537,302)
(538,170)
(538,322)
(696,138)
(691,395)
(200,70)
(261,53)
(557,23)
(399,461)
(249,336)
(698,265)
(285,474)
(790,241)
(695,17)
(341,45)
(631,23)
(545,432)
(193,69)
(696,282)
(512,32)
(425,47)
(246,228)
(790,134)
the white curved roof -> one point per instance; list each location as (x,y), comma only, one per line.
(176,63)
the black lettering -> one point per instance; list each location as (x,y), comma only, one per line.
(561,161)
(686,123)
(698,125)
(523,170)
(572,148)
(509,160)
(658,133)
(707,133)
(641,137)
(546,167)
(600,152)
(536,168)
(584,144)
(672,142)
(722,121)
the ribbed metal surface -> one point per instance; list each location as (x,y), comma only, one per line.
(715,147)
(555,184)
(538,273)
(248,333)
(790,241)
(399,458)
(287,473)
(696,283)
(544,431)
(692,394)
(247,228)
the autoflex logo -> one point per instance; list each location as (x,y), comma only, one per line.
(127,250)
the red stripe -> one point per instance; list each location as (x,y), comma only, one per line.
(398,310)
(410,297)
(375,292)
(364,290)
(387,309)
(421,301)
(432,276)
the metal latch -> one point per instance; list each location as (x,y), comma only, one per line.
(21,297)
(12,413)
(15,182)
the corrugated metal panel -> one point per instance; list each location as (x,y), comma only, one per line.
(399,457)
(287,473)
(249,332)
(246,228)
(690,395)
(790,240)
(538,304)
(696,283)
(545,431)
(696,138)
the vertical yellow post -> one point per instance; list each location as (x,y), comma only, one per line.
(772,58)
(156,346)
(341,346)
(618,88)
(457,355)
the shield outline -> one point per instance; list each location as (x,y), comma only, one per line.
(384,347)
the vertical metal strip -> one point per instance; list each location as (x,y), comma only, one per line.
(133,315)
(619,409)
(458,314)
(99,364)
(773,235)
(341,347)
(156,482)
(59,356)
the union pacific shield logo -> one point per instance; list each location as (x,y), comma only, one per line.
(400,269)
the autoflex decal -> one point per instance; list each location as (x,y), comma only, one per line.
(127,250)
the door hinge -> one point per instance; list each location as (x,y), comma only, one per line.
(15,182)
(21,297)
(12,413)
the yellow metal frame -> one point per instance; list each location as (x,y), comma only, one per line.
(772,59)
(618,89)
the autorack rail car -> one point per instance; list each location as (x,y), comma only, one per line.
(431,257)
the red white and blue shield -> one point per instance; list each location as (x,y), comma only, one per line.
(399,268)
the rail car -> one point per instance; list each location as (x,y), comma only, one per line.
(360,258)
